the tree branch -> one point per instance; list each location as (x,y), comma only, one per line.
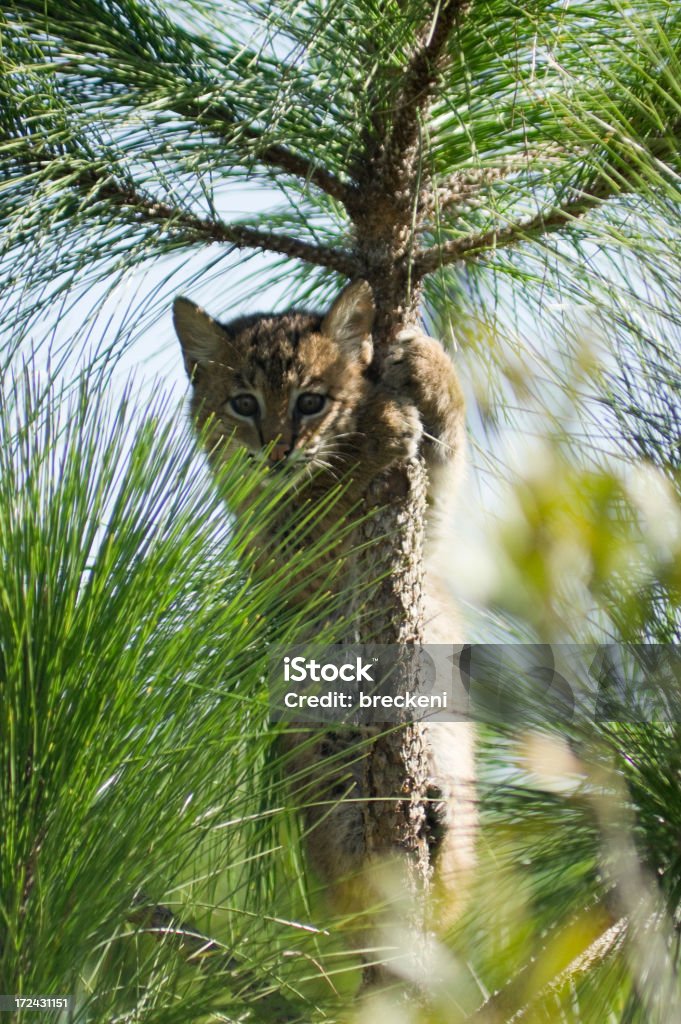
(543,223)
(389,206)
(428,260)
(218,117)
(241,236)
(516,999)
(458,188)
(205,229)
(221,121)
(162,923)
(515,1003)
(420,78)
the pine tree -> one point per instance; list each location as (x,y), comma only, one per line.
(490,166)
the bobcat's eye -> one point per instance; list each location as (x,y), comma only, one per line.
(310,403)
(244,405)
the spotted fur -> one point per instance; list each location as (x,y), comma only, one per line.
(366,424)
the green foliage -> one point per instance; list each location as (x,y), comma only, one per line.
(125,126)
(134,639)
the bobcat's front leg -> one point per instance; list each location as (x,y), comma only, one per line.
(391,430)
(419,367)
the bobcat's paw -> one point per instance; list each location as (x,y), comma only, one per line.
(414,364)
(397,431)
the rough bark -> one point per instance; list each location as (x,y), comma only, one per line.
(397,767)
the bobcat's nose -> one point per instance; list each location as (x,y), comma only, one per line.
(279,451)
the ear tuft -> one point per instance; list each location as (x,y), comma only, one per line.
(202,338)
(350,319)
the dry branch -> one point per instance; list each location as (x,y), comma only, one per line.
(518,998)
(159,921)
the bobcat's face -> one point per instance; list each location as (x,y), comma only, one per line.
(286,388)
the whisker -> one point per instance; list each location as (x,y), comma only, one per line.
(439,441)
(328,453)
(322,464)
(335,457)
(349,433)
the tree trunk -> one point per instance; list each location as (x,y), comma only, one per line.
(396,767)
(394,539)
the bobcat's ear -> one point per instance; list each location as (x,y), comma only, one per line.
(350,319)
(202,338)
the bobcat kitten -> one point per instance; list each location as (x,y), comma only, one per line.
(296,388)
